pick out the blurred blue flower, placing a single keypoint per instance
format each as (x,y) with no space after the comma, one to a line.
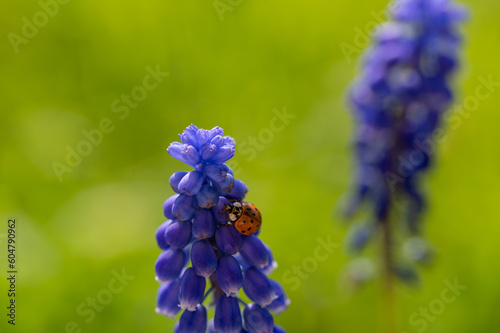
(398,100)
(198,229)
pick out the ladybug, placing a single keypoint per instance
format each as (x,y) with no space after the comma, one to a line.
(245,217)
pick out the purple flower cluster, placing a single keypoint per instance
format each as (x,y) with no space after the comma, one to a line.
(198,231)
(399,100)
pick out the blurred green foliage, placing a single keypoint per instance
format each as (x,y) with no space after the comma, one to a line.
(264,55)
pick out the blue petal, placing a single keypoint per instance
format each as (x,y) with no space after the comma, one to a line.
(272,264)
(203,258)
(185,207)
(220,215)
(222,155)
(217,140)
(229,275)
(160,235)
(227,317)
(193,321)
(167,207)
(175,150)
(257,319)
(203,224)
(228,239)
(191,183)
(215,132)
(216,172)
(178,234)
(258,287)
(207,151)
(224,187)
(229,141)
(191,155)
(244,265)
(203,137)
(175,179)
(189,136)
(207,197)
(254,252)
(167,302)
(169,265)
(281,303)
(267,270)
(184,153)
(192,290)
(239,190)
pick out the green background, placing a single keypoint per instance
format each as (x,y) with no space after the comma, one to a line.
(232,73)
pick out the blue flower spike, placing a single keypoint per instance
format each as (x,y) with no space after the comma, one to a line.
(399,100)
(210,226)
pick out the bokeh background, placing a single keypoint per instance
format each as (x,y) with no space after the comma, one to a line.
(262,56)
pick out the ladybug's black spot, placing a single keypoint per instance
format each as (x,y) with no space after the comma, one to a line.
(253,214)
(251,221)
(243,231)
(249,229)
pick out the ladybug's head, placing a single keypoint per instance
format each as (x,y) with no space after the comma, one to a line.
(234,210)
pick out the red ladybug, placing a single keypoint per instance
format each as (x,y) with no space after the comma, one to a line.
(245,217)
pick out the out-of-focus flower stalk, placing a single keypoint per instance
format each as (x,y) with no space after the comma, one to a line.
(399,99)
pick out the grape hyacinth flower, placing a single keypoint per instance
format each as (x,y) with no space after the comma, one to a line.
(202,230)
(399,99)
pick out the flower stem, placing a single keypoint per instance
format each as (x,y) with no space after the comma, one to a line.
(217,291)
(389,320)
(242,302)
(207,293)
